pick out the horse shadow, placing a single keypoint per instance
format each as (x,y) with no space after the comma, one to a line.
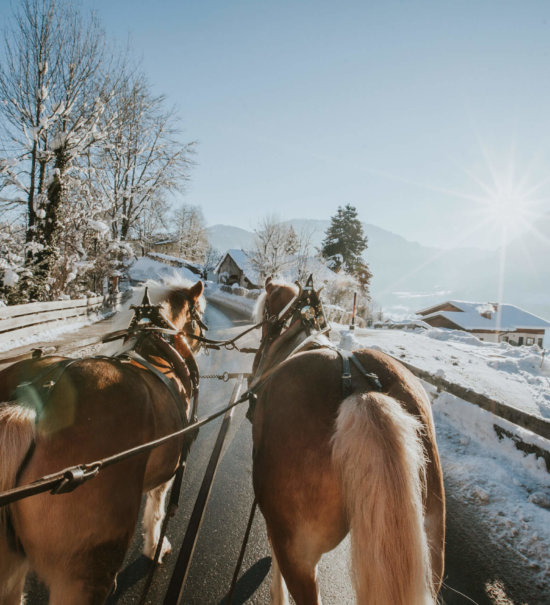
(249,582)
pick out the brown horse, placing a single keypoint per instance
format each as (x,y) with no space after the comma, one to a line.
(58,414)
(328,462)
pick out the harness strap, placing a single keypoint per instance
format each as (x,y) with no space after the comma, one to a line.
(348,358)
(132,355)
(347,388)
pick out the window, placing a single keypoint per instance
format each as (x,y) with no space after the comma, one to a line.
(540,342)
(530,341)
(520,340)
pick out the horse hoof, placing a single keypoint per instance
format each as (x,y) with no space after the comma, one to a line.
(165,550)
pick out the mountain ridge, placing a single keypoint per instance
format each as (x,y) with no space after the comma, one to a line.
(408,276)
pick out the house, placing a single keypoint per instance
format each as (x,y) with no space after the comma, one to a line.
(492,322)
(235,268)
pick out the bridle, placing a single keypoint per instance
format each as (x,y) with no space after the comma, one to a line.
(150,324)
(305,307)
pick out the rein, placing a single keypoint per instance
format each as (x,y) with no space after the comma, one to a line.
(228,344)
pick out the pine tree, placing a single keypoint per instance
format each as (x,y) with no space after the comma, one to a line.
(345,243)
(292,244)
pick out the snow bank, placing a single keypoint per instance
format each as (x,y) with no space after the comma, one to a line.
(145,268)
(239,304)
(509,490)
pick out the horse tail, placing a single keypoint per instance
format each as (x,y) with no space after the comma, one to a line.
(16,437)
(378,452)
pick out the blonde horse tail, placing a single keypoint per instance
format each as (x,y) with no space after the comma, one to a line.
(16,437)
(378,452)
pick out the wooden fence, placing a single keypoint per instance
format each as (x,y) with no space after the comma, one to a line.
(19,321)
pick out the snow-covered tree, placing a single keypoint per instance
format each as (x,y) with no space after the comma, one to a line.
(269,254)
(141,159)
(56,83)
(87,153)
(190,232)
(12,238)
(278,250)
(344,245)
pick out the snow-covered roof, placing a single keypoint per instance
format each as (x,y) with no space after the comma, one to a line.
(485,316)
(242,260)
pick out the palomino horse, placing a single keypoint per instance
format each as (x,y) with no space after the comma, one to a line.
(328,461)
(78,411)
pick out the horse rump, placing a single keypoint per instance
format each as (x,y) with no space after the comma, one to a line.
(378,453)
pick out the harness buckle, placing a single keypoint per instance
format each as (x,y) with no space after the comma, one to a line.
(75,477)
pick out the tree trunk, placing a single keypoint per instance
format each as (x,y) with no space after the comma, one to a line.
(48,231)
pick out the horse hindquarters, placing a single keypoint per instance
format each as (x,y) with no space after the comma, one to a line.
(379,455)
(16,437)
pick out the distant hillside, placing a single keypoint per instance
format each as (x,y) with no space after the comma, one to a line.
(408,276)
(224,237)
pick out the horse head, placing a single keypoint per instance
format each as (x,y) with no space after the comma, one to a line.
(276,297)
(184,307)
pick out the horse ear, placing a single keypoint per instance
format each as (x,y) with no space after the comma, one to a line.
(268,284)
(309,283)
(196,290)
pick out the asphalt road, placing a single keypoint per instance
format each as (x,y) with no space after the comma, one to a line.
(483,572)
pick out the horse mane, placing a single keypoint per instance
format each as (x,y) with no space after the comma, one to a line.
(158,293)
(259,307)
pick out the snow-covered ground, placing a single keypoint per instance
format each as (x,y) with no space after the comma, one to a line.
(508,490)
(145,268)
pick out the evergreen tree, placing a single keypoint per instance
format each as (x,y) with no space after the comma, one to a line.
(292,244)
(345,243)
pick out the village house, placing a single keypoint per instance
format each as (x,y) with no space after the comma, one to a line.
(235,268)
(492,322)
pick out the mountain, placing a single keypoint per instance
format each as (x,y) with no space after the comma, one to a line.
(224,237)
(408,276)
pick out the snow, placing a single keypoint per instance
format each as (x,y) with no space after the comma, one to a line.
(10,277)
(176,259)
(508,490)
(240,304)
(145,268)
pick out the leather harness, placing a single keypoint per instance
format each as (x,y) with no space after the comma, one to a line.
(306,308)
(40,388)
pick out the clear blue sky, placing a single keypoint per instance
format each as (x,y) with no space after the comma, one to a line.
(427,116)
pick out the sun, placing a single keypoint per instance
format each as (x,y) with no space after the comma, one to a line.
(508,200)
(506,208)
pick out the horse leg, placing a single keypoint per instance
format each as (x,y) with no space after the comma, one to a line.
(278,590)
(152,522)
(299,570)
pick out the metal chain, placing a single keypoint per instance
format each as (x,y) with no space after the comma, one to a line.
(226,376)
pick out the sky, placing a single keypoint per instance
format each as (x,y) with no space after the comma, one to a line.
(432,118)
